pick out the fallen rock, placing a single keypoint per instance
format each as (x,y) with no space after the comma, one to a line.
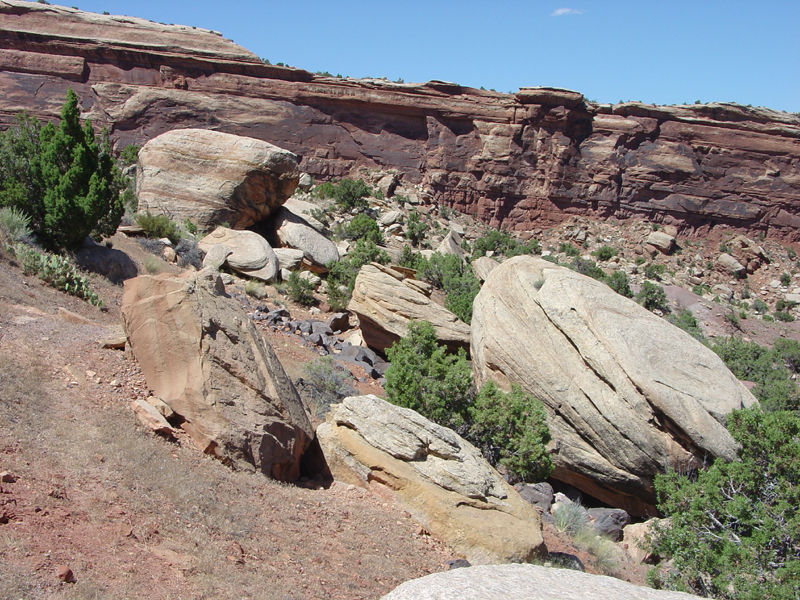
(212,177)
(483,266)
(216,256)
(251,255)
(65,574)
(451,244)
(437,476)
(150,417)
(524,582)
(289,258)
(384,304)
(391,218)
(305,211)
(538,494)
(201,355)
(634,538)
(627,393)
(661,241)
(731,265)
(294,231)
(609,522)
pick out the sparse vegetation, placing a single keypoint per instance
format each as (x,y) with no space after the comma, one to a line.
(326,382)
(686,321)
(342,274)
(501,242)
(605,253)
(348,194)
(652,297)
(618,281)
(158,227)
(15,225)
(57,271)
(364,227)
(453,276)
(415,228)
(300,290)
(568,249)
(255,288)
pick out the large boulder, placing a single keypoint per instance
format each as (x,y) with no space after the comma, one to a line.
(385,302)
(250,254)
(628,395)
(294,231)
(440,478)
(204,358)
(524,582)
(482,266)
(213,178)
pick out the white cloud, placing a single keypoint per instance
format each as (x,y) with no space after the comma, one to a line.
(560,12)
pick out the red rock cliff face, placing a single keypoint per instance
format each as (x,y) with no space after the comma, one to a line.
(521,161)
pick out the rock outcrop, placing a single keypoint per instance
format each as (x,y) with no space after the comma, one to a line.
(627,393)
(385,302)
(244,251)
(205,359)
(213,178)
(440,478)
(519,160)
(294,231)
(524,582)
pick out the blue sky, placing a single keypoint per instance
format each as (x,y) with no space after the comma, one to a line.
(663,52)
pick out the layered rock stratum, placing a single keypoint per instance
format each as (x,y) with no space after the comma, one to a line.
(520,160)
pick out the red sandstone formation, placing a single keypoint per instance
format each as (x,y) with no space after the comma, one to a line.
(521,160)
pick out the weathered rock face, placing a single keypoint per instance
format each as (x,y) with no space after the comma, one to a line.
(536,156)
(524,582)
(440,478)
(296,232)
(204,358)
(385,302)
(244,251)
(627,393)
(213,178)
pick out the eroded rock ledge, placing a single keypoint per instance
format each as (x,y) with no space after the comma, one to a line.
(520,160)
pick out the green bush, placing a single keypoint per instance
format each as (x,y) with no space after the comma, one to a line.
(158,226)
(453,276)
(511,430)
(57,271)
(686,321)
(652,297)
(415,229)
(364,227)
(61,177)
(15,224)
(500,242)
(568,249)
(760,306)
(734,529)
(654,271)
(129,155)
(605,253)
(343,273)
(347,194)
(589,268)
(424,377)
(786,279)
(326,382)
(618,281)
(782,315)
(300,290)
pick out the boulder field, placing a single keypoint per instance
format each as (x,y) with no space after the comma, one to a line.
(522,160)
(628,394)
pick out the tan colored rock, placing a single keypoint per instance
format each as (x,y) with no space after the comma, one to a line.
(201,355)
(250,254)
(634,537)
(74,318)
(451,244)
(211,177)
(216,255)
(295,232)
(662,241)
(304,210)
(289,258)
(151,417)
(483,266)
(627,393)
(524,582)
(385,304)
(731,265)
(437,476)
(161,406)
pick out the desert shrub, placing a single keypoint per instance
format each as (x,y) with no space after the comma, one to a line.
(347,194)
(686,321)
(654,271)
(424,377)
(500,242)
(605,253)
(15,224)
(786,279)
(734,529)
(158,226)
(618,281)
(782,315)
(453,276)
(511,430)
(570,517)
(343,273)
(415,229)
(364,227)
(300,290)
(652,297)
(61,177)
(770,369)
(407,257)
(700,289)
(256,289)
(760,306)
(326,382)
(588,267)
(129,155)
(568,249)
(189,253)
(153,265)
(57,271)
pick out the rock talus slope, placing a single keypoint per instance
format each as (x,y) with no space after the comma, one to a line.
(440,478)
(204,358)
(627,393)
(519,160)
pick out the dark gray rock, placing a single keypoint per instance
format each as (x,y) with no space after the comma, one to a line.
(609,522)
(339,321)
(538,494)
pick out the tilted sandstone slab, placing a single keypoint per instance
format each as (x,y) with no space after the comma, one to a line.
(440,478)
(628,395)
(203,357)
(524,582)
(385,303)
(213,178)
(294,231)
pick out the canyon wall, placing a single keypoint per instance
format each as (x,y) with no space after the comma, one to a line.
(521,161)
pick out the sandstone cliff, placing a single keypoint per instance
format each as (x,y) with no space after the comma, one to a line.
(520,160)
